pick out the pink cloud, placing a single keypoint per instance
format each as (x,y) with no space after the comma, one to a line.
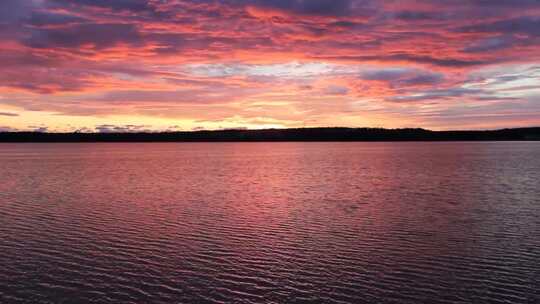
(133,57)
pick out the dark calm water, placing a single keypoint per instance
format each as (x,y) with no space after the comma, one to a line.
(270,223)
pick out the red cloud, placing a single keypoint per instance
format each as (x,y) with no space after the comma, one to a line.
(88,57)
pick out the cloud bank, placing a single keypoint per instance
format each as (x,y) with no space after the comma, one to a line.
(258,63)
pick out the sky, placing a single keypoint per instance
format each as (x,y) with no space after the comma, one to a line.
(168,65)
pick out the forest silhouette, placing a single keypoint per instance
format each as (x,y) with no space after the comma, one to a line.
(272,135)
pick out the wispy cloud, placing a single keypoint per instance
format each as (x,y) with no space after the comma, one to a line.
(8,114)
(237,63)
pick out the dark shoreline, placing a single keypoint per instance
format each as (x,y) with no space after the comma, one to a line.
(276,135)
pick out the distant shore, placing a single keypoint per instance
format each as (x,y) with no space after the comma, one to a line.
(274,135)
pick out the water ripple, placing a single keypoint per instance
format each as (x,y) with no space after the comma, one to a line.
(270,223)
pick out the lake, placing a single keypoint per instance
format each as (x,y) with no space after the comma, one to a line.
(449,222)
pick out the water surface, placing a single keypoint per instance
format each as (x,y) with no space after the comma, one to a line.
(270,223)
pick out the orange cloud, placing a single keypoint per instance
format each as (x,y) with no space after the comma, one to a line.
(436,64)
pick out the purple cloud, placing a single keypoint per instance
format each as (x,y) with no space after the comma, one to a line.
(8,114)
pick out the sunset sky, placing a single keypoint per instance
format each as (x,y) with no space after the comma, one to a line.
(127,65)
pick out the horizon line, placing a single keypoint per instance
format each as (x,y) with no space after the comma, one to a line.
(239,129)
